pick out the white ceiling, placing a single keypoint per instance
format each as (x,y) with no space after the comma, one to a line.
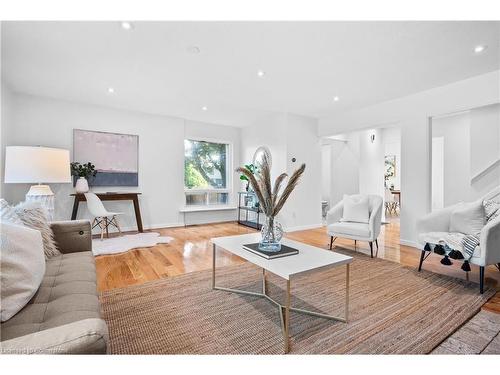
(306,64)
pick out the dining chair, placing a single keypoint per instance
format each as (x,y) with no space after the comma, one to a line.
(102,217)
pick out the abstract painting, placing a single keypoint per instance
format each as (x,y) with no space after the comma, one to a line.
(115,156)
(390,169)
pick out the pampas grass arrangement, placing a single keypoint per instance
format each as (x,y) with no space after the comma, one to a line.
(271,201)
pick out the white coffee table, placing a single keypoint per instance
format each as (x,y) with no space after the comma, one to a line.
(309,259)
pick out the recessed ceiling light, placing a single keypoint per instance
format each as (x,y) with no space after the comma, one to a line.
(336,98)
(127,25)
(111,90)
(193,49)
(261,73)
(204,108)
(480,48)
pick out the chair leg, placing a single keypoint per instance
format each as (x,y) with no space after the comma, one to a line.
(355,243)
(481,279)
(371,249)
(331,242)
(101,225)
(117,225)
(422,257)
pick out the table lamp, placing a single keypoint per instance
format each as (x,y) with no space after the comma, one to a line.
(35,164)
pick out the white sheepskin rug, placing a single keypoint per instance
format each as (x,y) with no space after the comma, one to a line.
(127,242)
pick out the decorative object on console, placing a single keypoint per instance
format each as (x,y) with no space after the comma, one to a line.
(82,172)
(115,156)
(35,164)
(251,168)
(270,202)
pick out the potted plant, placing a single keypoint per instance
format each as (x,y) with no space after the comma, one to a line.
(82,172)
(270,199)
(243,177)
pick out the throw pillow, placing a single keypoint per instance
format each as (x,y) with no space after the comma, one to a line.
(468,218)
(8,214)
(491,209)
(33,215)
(356,209)
(22,266)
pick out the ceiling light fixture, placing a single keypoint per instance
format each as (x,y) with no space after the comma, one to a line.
(111,90)
(261,73)
(480,48)
(127,25)
(204,108)
(336,98)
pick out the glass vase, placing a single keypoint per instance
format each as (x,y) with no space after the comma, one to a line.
(271,232)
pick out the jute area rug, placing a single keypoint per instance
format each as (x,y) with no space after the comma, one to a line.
(393,309)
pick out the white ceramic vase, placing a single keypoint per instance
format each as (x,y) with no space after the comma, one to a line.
(82,186)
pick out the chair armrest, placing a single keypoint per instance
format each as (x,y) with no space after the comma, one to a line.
(88,336)
(437,221)
(375,221)
(490,243)
(335,213)
(72,236)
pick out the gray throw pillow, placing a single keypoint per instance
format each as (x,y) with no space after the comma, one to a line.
(34,216)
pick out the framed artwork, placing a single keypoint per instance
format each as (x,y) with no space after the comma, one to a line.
(115,156)
(390,168)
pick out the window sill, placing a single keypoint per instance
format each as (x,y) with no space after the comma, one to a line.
(207,208)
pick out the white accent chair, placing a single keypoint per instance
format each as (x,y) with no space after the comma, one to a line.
(102,217)
(356,231)
(488,251)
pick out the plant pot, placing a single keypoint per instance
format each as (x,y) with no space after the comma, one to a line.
(82,186)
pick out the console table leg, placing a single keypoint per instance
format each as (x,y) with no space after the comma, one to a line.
(138,218)
(75,208)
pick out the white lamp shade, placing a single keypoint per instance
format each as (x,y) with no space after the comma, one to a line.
(26,164)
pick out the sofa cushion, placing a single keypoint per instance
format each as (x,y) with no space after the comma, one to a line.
(468,218)
(67,294)
(356,209)
(350,229)
(22,267)
(8,214)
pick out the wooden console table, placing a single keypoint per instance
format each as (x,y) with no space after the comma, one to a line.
(134,197)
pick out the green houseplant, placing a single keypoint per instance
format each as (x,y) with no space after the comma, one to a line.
(243,177)
(83,172)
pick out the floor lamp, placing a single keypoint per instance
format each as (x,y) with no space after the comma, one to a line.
(34,164)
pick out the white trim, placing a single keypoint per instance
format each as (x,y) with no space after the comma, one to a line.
(206,208)
(414,244)
(303,227)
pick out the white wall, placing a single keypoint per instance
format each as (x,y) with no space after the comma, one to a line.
(48,122)
(344,177)
(5,118)
(326,167)
(412,114)
(471,144)
(289,136)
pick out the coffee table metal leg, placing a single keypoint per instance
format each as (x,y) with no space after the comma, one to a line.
(213,266)
(287,318)
(263,281)
(347,292)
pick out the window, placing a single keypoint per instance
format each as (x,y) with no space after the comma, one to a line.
(206,177)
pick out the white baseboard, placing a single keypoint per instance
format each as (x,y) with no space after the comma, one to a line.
(410,243)
(146,227)
(303,227)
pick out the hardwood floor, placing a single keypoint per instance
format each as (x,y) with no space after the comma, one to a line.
(191,251)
